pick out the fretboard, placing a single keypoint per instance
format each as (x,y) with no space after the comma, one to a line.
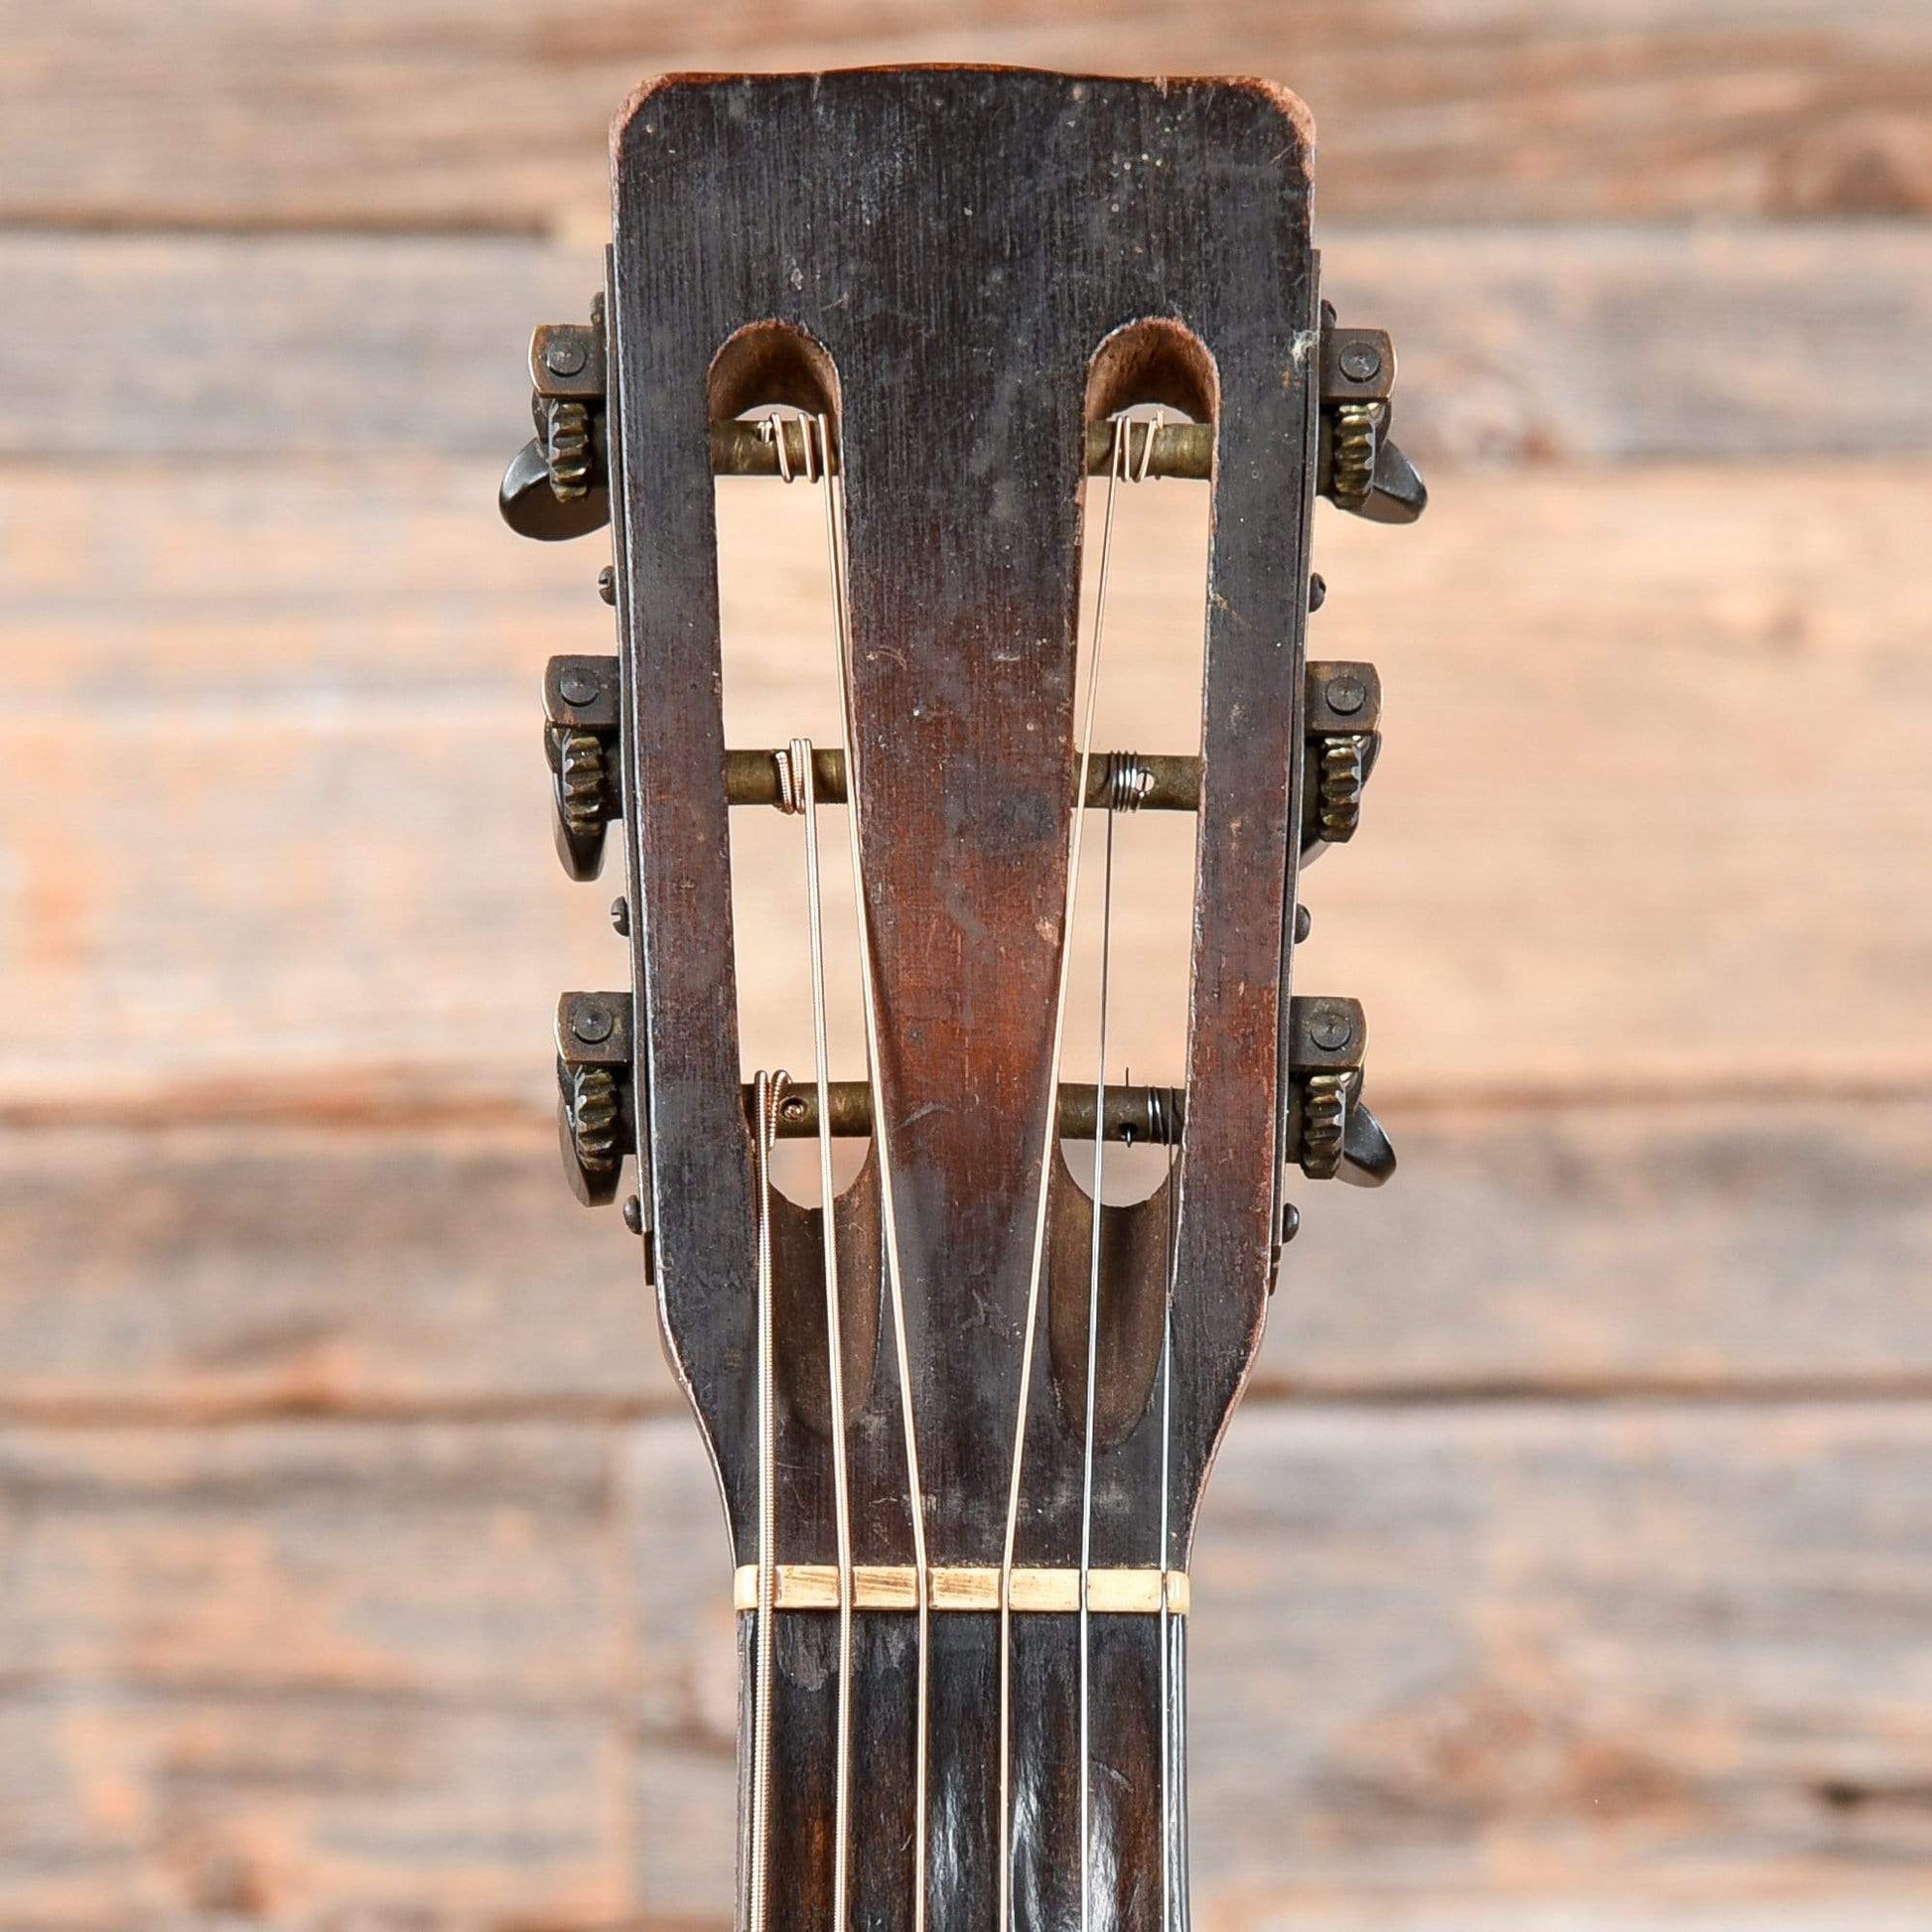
(1134,1841)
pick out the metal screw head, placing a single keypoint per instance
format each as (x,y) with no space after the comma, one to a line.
(579,687)
(592,1021)
(634,1214)
(1361,363)
(1317,591)
(564,355)
(607,584)
(1331,1027)
(621,918)
(1290,1222)
(1345,695)
(1303,924)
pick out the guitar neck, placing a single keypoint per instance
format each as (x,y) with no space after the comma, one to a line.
(1127,1707)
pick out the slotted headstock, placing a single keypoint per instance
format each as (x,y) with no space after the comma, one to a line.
(963,278)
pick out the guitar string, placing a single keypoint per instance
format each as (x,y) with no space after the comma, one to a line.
(1093,1357)
(882,1141)
(767,1094)
(804,779)
(1168,1820)
(1049,1138)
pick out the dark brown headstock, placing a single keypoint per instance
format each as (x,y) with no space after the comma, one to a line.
(968,274)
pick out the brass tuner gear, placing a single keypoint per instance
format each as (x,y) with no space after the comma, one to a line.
(567,448)
(1357,431)
(1324,1124)
(1345,771)
(580,783)
(594,1116)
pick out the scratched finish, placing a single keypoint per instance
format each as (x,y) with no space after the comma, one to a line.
(1107,242)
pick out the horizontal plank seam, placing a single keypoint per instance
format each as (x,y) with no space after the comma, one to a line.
(59,1687)
(1269,1391)
(319,225)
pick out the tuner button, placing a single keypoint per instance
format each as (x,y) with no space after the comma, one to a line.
(1367,1155)
(533,509)
(595,1110)
(580,742)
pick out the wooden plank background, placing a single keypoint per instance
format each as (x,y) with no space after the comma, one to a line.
(1570,1568)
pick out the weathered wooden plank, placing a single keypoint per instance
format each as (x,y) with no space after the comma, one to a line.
(1565,1669)
(202,1810)
(466,112)
(211,1272)
(1589,1250)
(1571,342)
(279,1673)
(1652,804)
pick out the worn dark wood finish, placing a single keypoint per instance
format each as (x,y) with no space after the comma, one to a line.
(1107,243)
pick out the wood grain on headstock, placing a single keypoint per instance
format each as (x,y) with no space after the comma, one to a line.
(965,268)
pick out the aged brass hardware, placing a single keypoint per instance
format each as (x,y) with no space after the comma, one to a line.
(580,741)
(596,1119)
(1343,712)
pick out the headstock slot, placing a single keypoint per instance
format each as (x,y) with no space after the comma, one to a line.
(781,679)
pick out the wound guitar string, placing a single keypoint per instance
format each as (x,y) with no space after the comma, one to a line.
(768,1092)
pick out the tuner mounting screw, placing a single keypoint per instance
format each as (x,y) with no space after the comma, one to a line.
(1361,363)
(1346,694)
(621,918)
(578,686)
(1331,1027)
(1290,1222)
(1317,591)
(633,1213)
(566,355)
(1303,924)
(607,584)
(591,1021)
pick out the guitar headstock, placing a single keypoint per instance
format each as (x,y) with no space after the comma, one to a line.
(947,300)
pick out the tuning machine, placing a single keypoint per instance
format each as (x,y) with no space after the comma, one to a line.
(1331,1135)
(558,485)
(1341,739)
(1359,465)
(581,736)
(597,1112)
